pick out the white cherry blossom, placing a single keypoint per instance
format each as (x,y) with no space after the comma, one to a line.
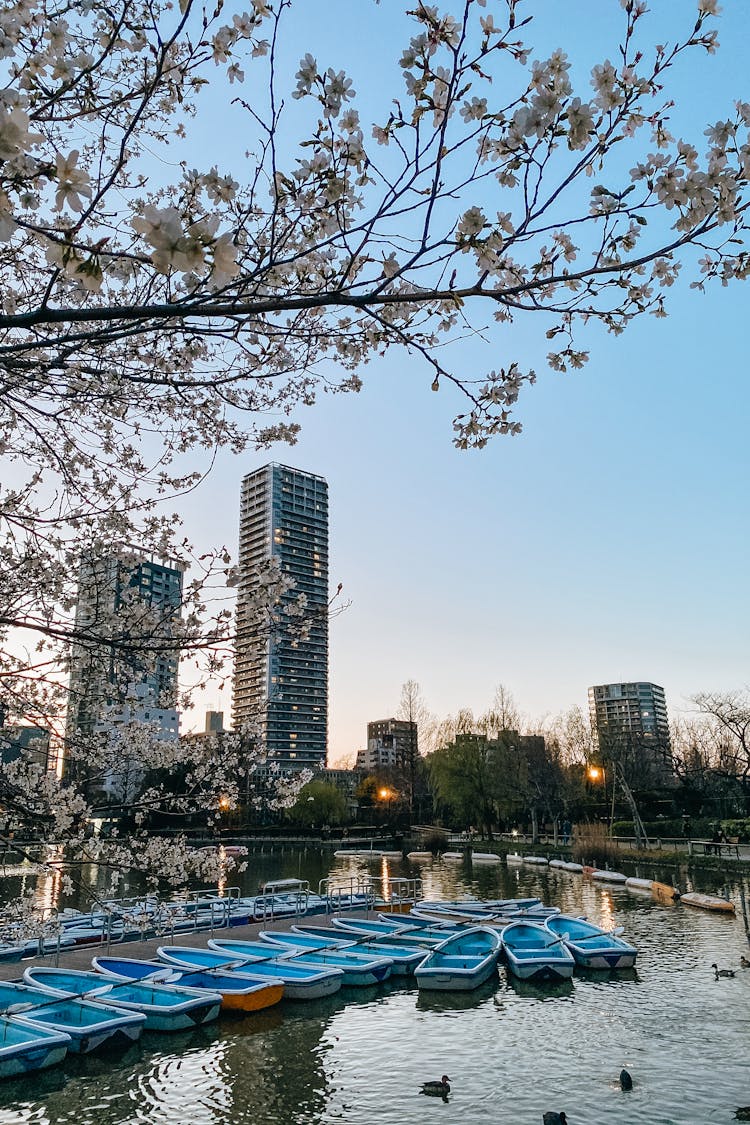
(169,296)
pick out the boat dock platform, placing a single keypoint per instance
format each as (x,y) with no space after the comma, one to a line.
(80,956)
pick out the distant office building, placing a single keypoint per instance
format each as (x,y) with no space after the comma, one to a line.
(347,782)
(214,722)
(391,744)
(31,742)
(632,724)
(281,685)
(121,671)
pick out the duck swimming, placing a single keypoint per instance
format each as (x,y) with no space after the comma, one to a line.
(552,1118)
(722,972)
(744,962)
(437,1089)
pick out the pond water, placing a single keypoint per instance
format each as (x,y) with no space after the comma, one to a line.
(511,1050)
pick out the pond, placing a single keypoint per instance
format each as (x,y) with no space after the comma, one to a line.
(512,1051)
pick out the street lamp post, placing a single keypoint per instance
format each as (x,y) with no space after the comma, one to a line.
(595,773)
(386,795)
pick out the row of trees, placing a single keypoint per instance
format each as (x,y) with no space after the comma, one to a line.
(499,770)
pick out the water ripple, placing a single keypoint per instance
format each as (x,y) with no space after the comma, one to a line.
(512,1049)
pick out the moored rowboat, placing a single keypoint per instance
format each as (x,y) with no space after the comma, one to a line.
(708,902)
(165,1008)
(462,962)
(238,993)
(608,876)
(591,946)
(360,968)
(405,957)
(664,892)
(533,953)
(25,1047)
(301,982)
(89,1026)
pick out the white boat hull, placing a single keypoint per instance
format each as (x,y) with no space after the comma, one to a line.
(541,969)
(439,981)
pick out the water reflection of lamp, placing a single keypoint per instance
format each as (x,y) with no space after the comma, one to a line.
(385,885)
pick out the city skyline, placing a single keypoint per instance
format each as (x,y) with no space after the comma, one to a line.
(605,543)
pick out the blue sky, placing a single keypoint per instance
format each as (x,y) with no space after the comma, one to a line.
(607,542)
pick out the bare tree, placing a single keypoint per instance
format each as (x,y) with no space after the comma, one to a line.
(413,710)
(728,714)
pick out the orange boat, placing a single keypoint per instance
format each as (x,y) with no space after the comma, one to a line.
(664,892)
(240,992)
(252,1000)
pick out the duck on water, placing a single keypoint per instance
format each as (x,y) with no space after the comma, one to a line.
(437,1089)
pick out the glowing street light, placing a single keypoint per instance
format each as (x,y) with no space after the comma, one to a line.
(596,774)
(387,796)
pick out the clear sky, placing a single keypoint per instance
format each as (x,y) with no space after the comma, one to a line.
(607,542)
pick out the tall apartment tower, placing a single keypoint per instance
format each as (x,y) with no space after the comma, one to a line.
(631,718)
(129,600)
(281,687)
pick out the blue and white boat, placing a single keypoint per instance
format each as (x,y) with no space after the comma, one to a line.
(532,952)
(239,993)
(165,1007)
(301,982)
(359,969)
(25,1047)
(481,914)
(493,905)
(423,935)
(88,1025)
(591,946)
(405,958)
(461,962)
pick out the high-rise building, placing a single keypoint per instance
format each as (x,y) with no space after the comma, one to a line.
(214,722)
(33,743)
(281,680)
(122,667)
(391,744)
(631,724)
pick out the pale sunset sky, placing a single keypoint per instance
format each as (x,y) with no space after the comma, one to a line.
(609,541)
